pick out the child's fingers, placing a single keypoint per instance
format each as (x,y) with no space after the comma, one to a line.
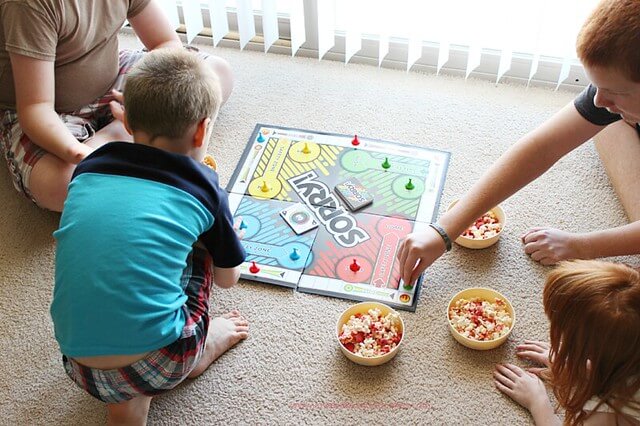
(548,261)
(502,379)
(538,342)
(118,95)
(502,388)
(533,347)
(402,252)
(408,267)
(515,369)
(540,358)
(117,110)
(237,222)
(507,372)
(530,235)
(536,370)
(527,354)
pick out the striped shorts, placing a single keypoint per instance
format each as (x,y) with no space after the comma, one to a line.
(164,368)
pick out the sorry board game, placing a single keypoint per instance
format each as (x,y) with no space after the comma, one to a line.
(325,213)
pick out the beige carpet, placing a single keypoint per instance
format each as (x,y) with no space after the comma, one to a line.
(290,370)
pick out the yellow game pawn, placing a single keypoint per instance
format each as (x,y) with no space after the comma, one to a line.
(264,187)
(306,149)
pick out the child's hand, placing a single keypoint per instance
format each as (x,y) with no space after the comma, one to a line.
(523,387)
(117,106)
(537,352)
(550,246)
(418,251)
(236,227)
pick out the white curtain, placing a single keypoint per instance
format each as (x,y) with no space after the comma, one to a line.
(544,30)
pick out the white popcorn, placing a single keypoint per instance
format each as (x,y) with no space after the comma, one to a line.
(480,319)
(371,334)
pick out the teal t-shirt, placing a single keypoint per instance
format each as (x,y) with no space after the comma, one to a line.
(130,220)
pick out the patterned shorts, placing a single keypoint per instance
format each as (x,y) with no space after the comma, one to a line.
(162,369)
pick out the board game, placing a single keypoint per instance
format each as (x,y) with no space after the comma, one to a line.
(325,213)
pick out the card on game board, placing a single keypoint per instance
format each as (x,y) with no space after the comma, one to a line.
(299,218)
(354,194)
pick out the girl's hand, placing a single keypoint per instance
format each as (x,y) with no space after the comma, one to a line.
(523,387)
(537,352)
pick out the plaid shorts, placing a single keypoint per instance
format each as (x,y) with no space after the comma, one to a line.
(162,369)
(21,154)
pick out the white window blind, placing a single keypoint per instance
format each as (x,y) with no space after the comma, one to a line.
(542,31)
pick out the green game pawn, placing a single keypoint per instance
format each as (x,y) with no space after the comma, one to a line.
(386,163)
(409,186)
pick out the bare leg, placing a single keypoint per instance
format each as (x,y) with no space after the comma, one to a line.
(223,70)
(130,413)
(50,176)
(619,148)
(224,332)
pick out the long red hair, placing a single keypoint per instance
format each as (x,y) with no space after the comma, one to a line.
(594,313)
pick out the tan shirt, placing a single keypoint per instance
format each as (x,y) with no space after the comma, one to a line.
(80,36)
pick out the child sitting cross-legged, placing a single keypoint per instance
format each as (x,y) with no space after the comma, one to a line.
(593,360)
(144,232)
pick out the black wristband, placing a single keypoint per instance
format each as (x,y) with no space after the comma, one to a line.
(440,230)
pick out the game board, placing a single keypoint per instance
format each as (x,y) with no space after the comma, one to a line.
(284,168)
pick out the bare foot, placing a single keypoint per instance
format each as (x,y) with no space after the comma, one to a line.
(224,332)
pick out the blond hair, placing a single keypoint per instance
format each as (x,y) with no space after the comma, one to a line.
(168,91)
(594,313)
(610,37)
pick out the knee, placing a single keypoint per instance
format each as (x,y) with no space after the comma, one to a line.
(225,74)
(50,191)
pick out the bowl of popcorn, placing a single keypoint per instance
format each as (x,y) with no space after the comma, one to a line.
(480,318)
(370,333)
(485,230)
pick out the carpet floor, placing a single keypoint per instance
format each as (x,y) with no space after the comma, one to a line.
(290,370)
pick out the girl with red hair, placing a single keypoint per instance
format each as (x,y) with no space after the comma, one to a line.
(592,362)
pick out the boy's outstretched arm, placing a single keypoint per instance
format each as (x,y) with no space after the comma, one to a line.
(529,158)
(153,28)
(34,81)
(549,246)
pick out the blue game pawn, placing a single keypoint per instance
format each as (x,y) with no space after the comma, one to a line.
(243,225)
(260,138)
(294,254)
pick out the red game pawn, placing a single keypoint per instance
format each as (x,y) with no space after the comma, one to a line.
(354,266)
(355,141)
(254,268)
